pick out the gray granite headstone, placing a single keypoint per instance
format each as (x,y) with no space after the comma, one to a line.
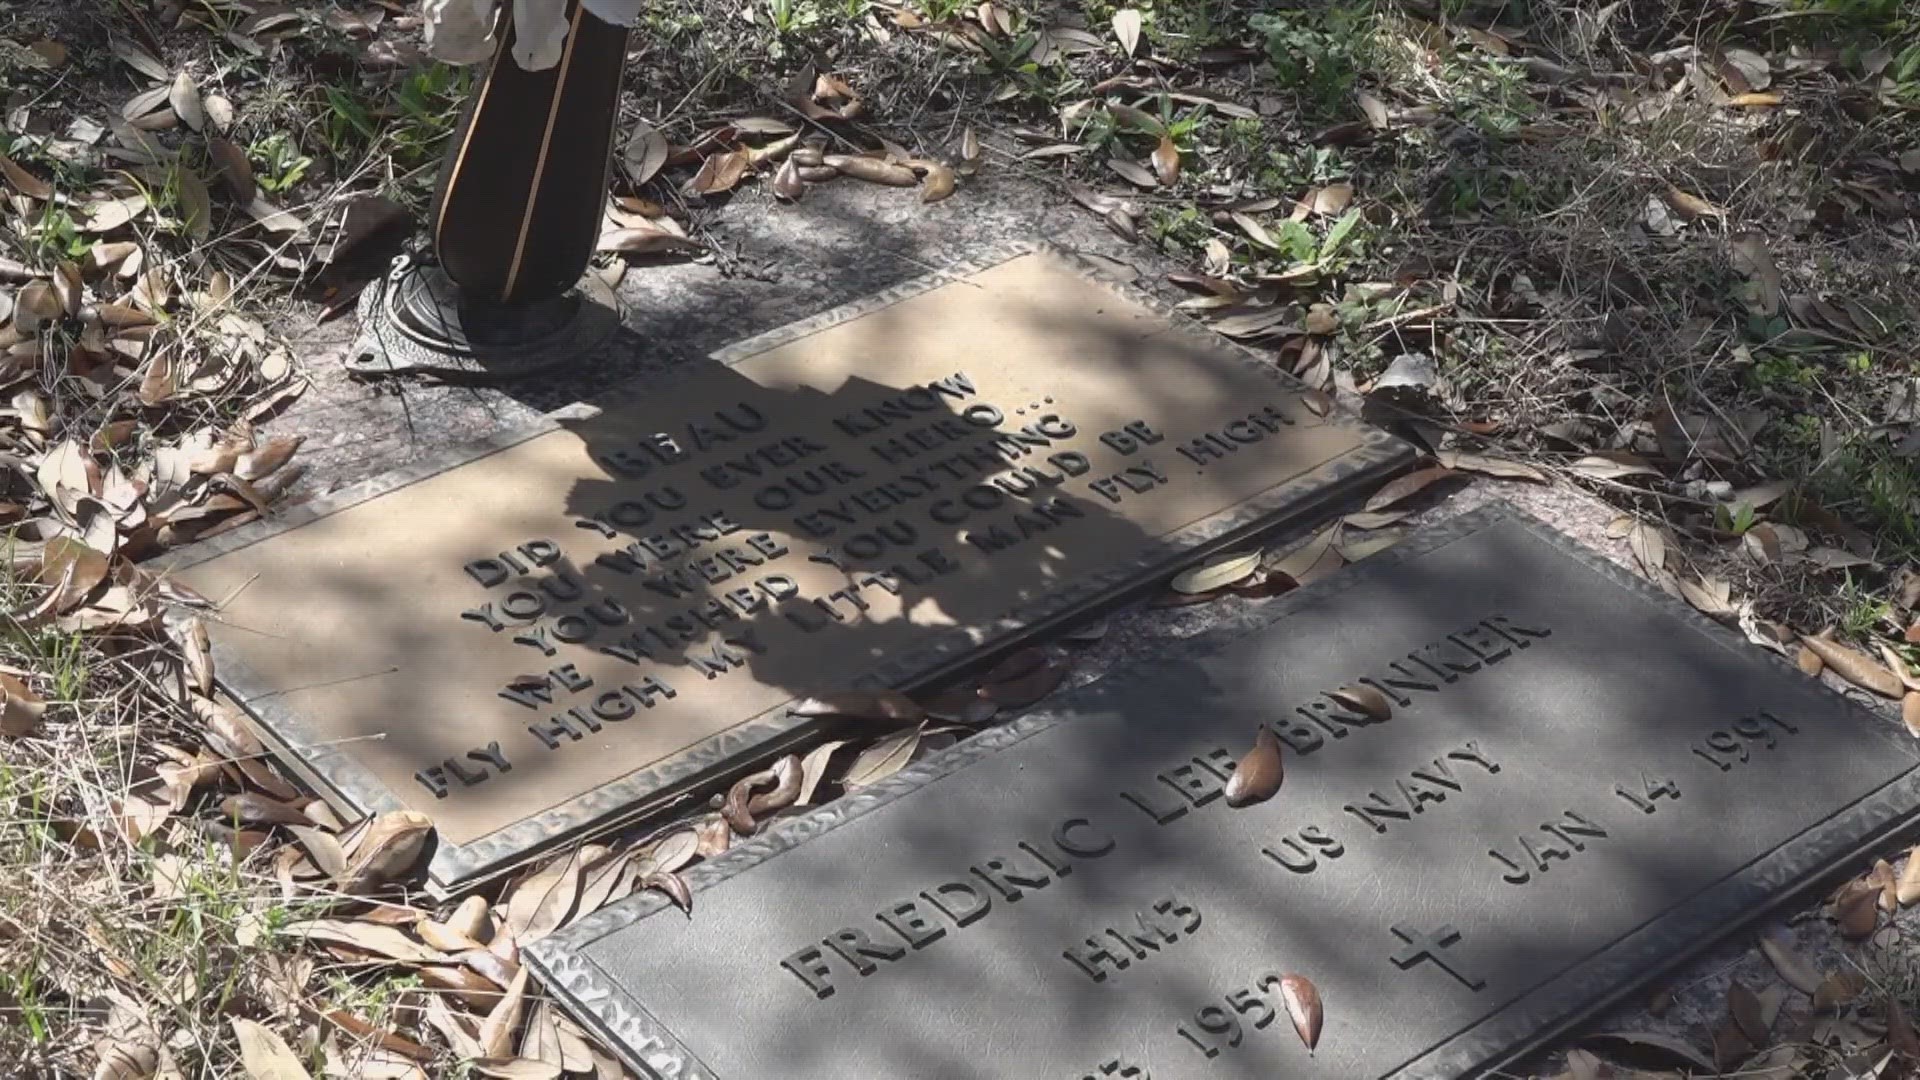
(1582,784)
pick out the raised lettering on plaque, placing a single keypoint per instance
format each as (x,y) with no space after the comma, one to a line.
(587,622)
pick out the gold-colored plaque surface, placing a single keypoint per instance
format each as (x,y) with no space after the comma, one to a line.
(565,630)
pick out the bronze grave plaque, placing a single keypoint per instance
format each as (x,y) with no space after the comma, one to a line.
(572,627)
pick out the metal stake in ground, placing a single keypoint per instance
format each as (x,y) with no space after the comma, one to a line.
(515,216)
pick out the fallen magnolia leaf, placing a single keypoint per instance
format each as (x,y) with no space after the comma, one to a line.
(940,180)
(542,902)
(787,183)
(1809,663)
(1602,467)
(1126,28)
(719,174)
(1793,968)
(674,886)
(883,758)
(888,705)
(265,1055)
(1908,888)
(1664,1050)
(1258,774)
(386,850)
(1302,1000)
(1649,546)
(1312,560)
(23,181)
(813,768)
(1217,573)
(1020,692)
(646,152)
(1747,1012)
(1858,911)
(1900,1034)
(1489,465)
(1838,990)
(1364,699)
(361,936)
(872,170)
(1856,667)
(20,708)
(1753,261)
(1166,162)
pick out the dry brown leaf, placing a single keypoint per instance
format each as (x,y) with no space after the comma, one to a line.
(496,1032)
(1374,109)
(1312,560)
(542,903)
(1858,910)
(1333,199)
(516,1069)
(1754,261)
(73,568)
(813,768)
(1856,667)
(253,808)
(386,850)
(20,708)
(265,1054)
(1018,693)
(1126,28)
(1302,1000)
(1649,546)
(873,170)
(1690,206)
(1747,1012)
(1838,990)
(719,174)
(883,758)
(1809,663)
(884,705)
(23,181)
(232,167)
(1257,775)
(367,937)
(646,152)
(1793,968)
(1614,467)
(1217,572)
(267,457)
(1900,1035)
(1489,465)
(787,183)
(1365,699)
(106,215)
(674,886)
(940,180)
(1166,162)
(184,96)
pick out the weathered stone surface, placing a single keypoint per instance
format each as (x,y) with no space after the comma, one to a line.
(1581,785)
(602,614)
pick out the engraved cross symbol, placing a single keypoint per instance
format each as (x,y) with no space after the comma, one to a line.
(1433,947)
